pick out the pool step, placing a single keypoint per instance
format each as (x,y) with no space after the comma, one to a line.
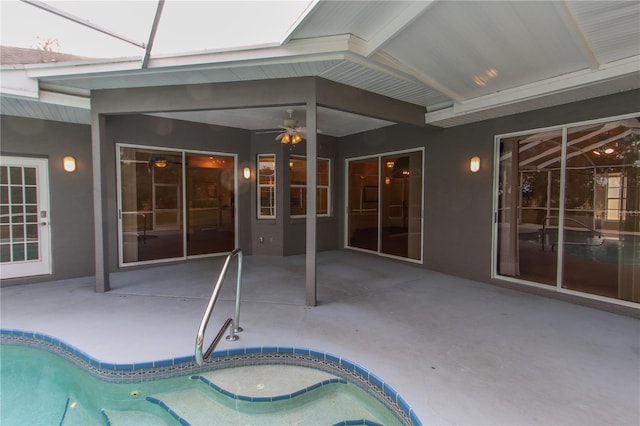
(265,381)
(326,405)
(132,418)
(265,394)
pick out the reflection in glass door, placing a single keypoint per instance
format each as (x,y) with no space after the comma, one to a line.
(528,206)
(401,205)
(155,184)
(210,218)
(385,204)
(363,204)
(568,212)
(601,244)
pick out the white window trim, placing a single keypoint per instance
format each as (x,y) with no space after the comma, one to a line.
(259,187)
(328,188)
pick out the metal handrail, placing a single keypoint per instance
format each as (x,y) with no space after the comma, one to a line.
(593,230)
(235,323)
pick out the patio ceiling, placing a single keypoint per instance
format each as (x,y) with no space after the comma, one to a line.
(463,61)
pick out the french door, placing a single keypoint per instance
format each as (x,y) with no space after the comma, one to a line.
(25,235)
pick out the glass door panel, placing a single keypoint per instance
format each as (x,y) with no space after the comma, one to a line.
(151,204)
(528,206)
(210,199)
(601,253)
(363,204)
(401,205)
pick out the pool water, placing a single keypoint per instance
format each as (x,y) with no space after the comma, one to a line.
(42,388)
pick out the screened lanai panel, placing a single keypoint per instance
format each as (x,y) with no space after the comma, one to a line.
(125,27)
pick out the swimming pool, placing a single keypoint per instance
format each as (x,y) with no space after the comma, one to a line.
(46,381)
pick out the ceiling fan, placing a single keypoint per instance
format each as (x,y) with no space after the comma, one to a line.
(290,132)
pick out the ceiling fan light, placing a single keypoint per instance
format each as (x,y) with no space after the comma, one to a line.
(286,138)
(296,138)
(160,163)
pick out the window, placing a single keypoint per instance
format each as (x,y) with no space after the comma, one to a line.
(298,187)
(266,186)
(615,196)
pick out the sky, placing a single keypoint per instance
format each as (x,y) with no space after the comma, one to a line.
(185,26)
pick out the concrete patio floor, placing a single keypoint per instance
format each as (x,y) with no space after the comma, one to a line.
(458,351)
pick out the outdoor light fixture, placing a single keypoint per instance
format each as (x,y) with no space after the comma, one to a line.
(474,164)
(69,164)
(246,172)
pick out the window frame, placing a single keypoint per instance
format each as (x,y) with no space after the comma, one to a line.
(558,286)
(326,187)
(260,186)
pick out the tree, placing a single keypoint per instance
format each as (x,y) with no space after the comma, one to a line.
(48,44)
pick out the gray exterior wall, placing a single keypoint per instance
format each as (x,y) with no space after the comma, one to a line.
(284,236)
(71,193)
(458,204)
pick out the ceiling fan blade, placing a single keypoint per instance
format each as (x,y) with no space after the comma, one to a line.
(302,131)
(268,131)
(280,136)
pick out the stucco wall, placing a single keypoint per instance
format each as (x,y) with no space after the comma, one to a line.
(71,215)
(458,204)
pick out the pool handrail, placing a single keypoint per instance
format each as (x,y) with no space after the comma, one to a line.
(235,323)
(597,233)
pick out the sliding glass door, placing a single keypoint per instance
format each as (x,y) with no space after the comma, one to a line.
(384,204)
(568,211)
(174,204)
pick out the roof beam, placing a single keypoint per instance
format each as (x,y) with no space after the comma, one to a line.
(89,24)
(576,32)
(397,24)
(389,61)
(152,34)
(540,89)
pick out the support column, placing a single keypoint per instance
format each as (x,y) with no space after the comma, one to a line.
(312,167)
(99,205)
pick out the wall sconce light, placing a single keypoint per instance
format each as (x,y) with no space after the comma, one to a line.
(474,164)
(246,172)
(69,164)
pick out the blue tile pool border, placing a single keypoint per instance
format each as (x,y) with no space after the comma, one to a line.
(239,357)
